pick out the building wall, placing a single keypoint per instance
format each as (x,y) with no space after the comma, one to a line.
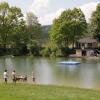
(86,45)
(88,52)
(94,45)
(79,52)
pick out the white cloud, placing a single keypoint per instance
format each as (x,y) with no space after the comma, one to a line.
(59,11)
(39,7)
(3,0)
(48,18)
(88,9)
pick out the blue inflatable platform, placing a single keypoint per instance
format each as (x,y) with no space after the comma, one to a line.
(69,62)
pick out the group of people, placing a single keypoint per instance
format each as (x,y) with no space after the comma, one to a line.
(15,77)
(5,76)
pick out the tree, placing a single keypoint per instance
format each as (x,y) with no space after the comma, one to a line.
(17,25)
(12,27)
(17,33)
(4,24)
(19,36)
(95,23)
(34,30)
(69,27)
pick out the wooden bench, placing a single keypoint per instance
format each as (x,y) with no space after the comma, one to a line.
(21,78)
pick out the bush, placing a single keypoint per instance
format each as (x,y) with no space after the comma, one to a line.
(46,52)
(67,51)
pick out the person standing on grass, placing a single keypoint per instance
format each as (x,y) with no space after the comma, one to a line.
(33,78)
(5,76)
(14,76)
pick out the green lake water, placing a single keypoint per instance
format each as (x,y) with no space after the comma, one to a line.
(49,71)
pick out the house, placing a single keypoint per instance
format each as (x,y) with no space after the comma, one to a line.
(86,46)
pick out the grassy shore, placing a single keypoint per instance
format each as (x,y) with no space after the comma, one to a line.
(42,92)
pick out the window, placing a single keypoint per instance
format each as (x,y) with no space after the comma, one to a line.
(89,45)
(82,44)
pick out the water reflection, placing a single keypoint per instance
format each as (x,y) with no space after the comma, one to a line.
(44,71)
(48,71)
(87,76)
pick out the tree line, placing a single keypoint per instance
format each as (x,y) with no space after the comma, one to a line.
(18,36)
(69,27)
(26,36)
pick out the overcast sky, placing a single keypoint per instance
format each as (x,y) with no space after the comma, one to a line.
(47,10)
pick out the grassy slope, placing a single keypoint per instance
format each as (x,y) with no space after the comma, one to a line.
(41,92)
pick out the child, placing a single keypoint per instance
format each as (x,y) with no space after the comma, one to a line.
(5,76)
(33,77)
(14,76)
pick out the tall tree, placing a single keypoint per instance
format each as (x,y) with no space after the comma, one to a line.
(11,22)
(17,25)
(95,23)
(12,26)
(4,24)
(69,27)
(34,30)
(19,36)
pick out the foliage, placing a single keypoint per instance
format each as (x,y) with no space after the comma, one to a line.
(4,23)
(49,49)
(95,22)
(46,52)
(17,35)
(34,31)
(12,26)
(67,51)
(45,34)
(69,27)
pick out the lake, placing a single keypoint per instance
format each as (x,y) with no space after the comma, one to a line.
(49,71)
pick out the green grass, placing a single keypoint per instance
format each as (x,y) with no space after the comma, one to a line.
(42,92)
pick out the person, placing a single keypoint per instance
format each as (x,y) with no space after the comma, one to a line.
(5,76)
(14,76)
(33,77)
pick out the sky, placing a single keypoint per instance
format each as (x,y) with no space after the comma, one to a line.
(47,10)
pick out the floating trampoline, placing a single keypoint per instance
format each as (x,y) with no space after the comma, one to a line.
(69,62)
